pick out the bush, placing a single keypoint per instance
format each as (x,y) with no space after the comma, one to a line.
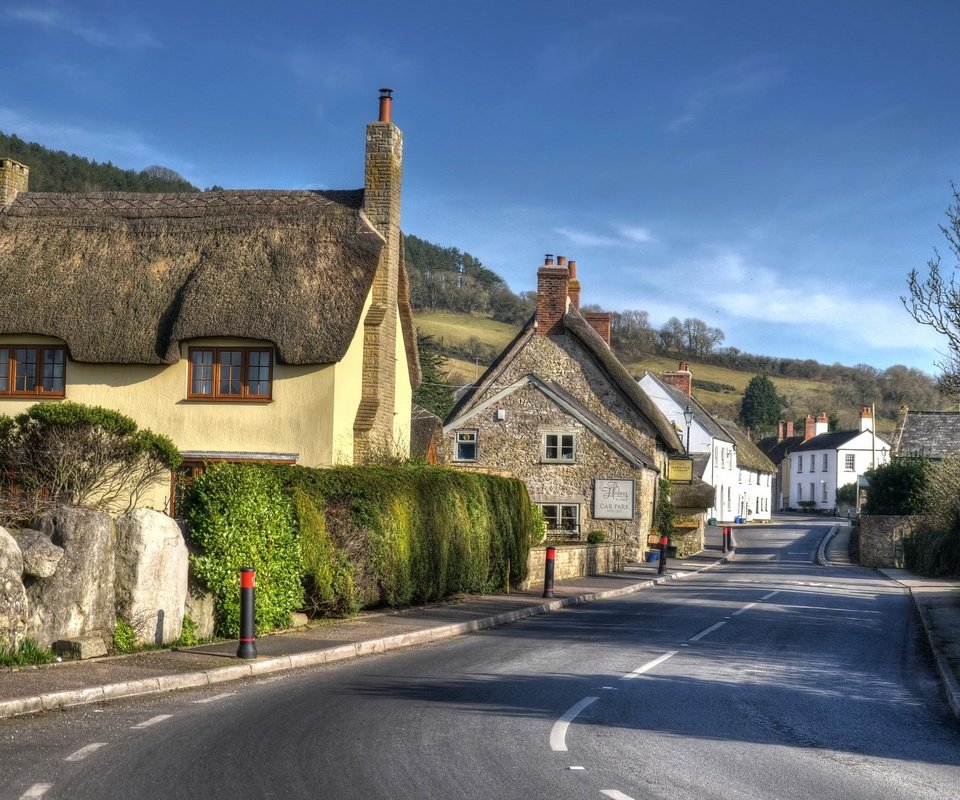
(240,517)
(56,453)
(664,516)
(934,547)
(188,633)
(847,495)
(898,488)
(29,652)
(596,537)
(124,637)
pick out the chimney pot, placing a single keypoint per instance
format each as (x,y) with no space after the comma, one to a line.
(573,269)
(561,261)
(548,260)
(386,101)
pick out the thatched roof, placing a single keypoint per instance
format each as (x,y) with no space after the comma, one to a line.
(749,456)
(124,278)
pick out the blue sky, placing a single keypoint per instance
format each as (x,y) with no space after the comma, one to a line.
(773,168)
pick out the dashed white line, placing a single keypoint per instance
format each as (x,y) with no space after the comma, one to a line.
(649,666)
(37,790)
(558,735)
(771,594)
(708,631)
(152,721)
(83,752)
(615,795)
(215,697)
(747,607)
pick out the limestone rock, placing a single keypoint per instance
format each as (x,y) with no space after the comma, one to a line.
(13,596)
(200,607)
(151,575)
(78,599)
(84,647)
(40,555)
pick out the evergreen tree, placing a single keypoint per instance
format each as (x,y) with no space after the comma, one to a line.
(435,392)
(761,406)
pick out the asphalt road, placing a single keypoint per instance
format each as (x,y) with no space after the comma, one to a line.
(767,678)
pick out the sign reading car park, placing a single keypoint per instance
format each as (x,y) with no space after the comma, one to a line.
(613,499)
(680,470)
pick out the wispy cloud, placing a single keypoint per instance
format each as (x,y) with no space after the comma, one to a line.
(636,234)
(739,80)
(587,239)
(627,235)
(118,38)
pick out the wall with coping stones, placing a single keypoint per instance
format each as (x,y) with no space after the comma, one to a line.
(574,561)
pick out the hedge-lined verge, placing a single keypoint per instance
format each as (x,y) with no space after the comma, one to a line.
(333,540)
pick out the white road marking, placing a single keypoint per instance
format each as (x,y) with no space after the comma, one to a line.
(747,607)
(583,768)
(708,631)
(215,697)
(558,735)
(37,790)
(649,666)
(615,795)
(83,752)
(768,596)
(152,721)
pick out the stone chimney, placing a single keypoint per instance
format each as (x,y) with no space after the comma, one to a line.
(682,378)
(14,178)
(573,287)
(809,428)
(374,424)
(822,425)
(866,419)
(552,287)
(601,322)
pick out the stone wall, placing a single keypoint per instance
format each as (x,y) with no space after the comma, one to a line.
(881,539)
(574,561)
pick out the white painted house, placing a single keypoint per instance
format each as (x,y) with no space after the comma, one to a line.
(742,490)
(827,461)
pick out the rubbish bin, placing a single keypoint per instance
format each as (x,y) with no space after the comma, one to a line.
(653,555)
(712,521)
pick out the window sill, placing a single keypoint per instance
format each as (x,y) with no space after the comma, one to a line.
(233,401)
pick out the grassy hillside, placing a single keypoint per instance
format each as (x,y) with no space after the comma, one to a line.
(471,344)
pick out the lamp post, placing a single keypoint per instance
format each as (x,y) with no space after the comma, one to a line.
(688,418)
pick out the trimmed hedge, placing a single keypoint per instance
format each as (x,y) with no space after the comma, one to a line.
(333,540)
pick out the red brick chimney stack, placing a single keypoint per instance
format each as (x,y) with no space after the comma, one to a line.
(552,286)
(682,378)
(573,288)
(601,322)
(789,428)
(809,427)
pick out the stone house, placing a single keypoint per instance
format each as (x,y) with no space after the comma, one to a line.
(245,325)
(558,410)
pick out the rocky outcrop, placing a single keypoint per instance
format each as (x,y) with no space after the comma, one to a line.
(13,596)
(40,555)
(151,575)
(77,600)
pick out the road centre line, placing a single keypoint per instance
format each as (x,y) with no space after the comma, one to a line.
(613,794)
(747,607)
(83,752)
(37,790)
(768,596)
(708,631)
(152,721)
(649,666)
(215,697)
(558,735)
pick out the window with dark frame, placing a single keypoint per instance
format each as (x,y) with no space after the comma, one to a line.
(32,370)
(561,517)
(230,373)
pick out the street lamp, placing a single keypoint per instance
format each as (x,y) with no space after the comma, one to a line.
(688,418)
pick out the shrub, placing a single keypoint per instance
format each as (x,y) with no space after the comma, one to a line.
(934,547)
(899,487)
(240,517)
(27,653)
(82,455)
(596,537)
(664,516)
(847,495)
(188,633)
(124,637)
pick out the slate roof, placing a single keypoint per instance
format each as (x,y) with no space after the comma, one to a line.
(775,450)
(832,440)
(927,434)
(124,277)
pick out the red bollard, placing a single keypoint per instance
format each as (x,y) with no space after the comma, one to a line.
(726,539)
(548,572)
(663,556)
(248,641)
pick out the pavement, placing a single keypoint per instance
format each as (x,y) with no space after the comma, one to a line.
(31,690)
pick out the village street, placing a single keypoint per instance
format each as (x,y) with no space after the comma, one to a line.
(768,677)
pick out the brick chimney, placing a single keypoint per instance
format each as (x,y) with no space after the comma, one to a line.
(866,419)
(601,322)
(14,178)
(682,378)
(552,287)
(374,424)
(822,425)
(573,287)
(809,427)
(789,428)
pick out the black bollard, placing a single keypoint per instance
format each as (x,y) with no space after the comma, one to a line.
(725,535)
(663,556)
(548,571)
(248,642)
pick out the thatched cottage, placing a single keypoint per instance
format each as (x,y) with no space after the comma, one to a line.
(558,410)
(245,325)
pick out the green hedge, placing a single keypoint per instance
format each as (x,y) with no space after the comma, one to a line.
(332,540)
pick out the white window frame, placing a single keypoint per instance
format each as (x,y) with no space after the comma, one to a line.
(467,438)
(826,463)
(799,463)
(850,462)
(562,512)
(560,445)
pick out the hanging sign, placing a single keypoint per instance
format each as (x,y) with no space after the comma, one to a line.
(613,499)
